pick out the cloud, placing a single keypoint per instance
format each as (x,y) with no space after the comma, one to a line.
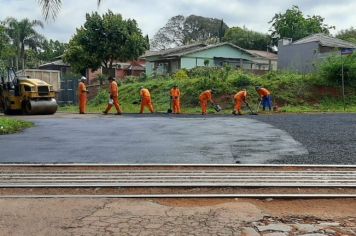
(152,15)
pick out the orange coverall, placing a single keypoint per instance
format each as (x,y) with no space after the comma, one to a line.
(263,92)
(239,98)
(114,95)
(146,100)
(266,98)
(82,92)
(175,94)
(204,98)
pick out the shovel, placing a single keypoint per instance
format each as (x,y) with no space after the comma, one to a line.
(170,107)
(258,107)
(251,112)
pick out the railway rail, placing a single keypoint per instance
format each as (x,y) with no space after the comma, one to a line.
(189,180)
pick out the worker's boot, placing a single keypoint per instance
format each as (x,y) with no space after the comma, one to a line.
(119,113)
(105,112)
(234,112)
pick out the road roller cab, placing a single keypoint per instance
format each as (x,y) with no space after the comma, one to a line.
(26,95)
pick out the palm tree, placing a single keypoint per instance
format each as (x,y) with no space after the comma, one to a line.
(50,8)
(23,34)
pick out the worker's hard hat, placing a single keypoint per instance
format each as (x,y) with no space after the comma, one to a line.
(174,85)
(111,78)
(214,90)
(83,78)
(258,87)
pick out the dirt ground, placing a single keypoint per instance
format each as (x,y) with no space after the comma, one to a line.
(87,216)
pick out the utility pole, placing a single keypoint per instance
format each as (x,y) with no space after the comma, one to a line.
(342,82)
(344,51)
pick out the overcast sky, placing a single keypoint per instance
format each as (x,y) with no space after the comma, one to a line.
(153,14)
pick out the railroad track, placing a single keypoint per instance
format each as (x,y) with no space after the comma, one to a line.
(108,180)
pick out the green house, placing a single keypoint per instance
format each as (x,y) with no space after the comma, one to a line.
(190,56)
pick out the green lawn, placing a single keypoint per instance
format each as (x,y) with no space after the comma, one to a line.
(9,126)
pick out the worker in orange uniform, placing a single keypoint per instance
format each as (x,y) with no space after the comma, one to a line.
(82,93)
(175,98)
(146,100)
(114,97)
(204,98)
(265,96)
(240,97)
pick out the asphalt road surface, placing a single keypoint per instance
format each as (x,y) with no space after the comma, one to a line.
(292,139)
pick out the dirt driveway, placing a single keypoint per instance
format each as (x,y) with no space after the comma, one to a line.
(177,217)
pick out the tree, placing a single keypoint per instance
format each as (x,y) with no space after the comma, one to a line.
(292,24)
(4,40)
(200,29)
(50,8)
(171,35)
(348,35)
(247,39)
(50,49)
(6,51)
(103,40)
(23,34)
(180,31)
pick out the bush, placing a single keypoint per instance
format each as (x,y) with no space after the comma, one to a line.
(209,72)
(243,80)
(101,78)
(227,69)
(101,98)
(206,62)
(181,75)
(331,69)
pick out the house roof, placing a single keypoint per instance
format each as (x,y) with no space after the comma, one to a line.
(55,63)
(134,65)
(193,48)
(264,54)
(175,50)
(325,40)
(210,47)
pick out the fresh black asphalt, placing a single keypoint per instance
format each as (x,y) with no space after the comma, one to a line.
(277,138)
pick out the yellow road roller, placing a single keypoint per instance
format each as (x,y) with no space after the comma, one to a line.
(29,96)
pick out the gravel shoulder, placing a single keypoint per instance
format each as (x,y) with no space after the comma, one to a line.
(329,138)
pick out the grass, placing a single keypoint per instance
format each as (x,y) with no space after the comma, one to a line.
(197,110)
(130,108)
(292,92)
(9,126)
